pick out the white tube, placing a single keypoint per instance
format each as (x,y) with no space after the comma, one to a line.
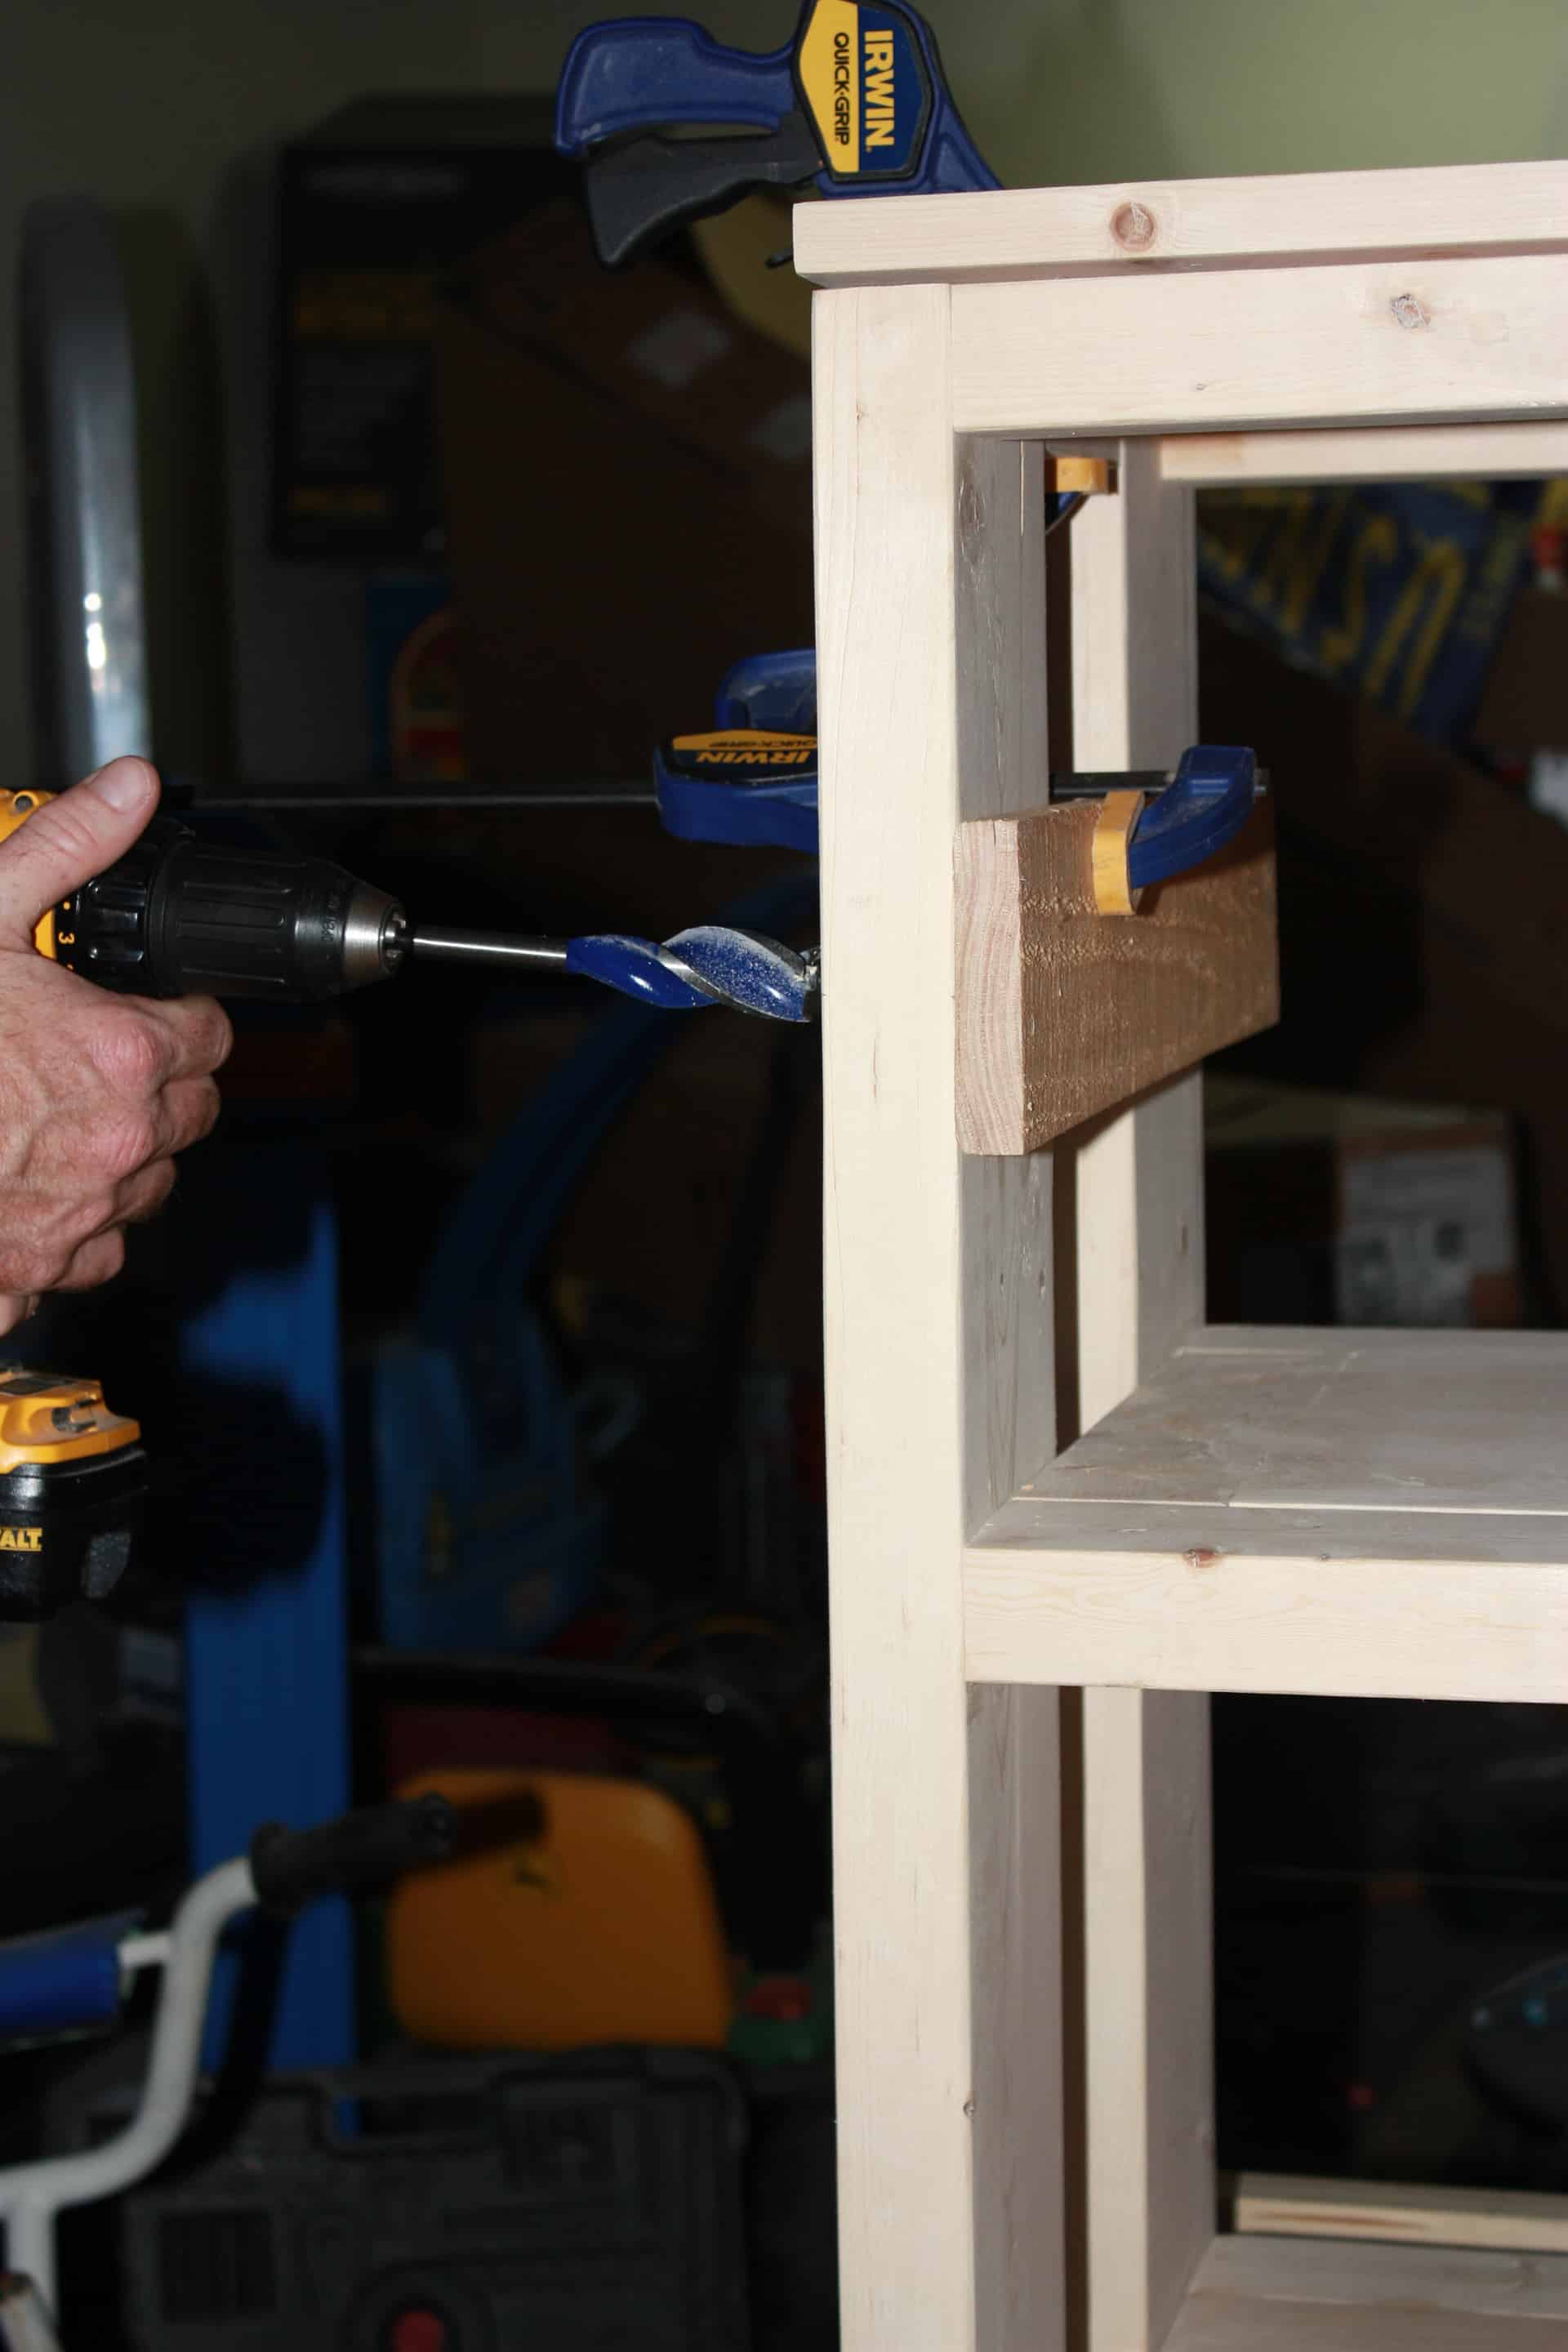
(144,1952)
(32,2194)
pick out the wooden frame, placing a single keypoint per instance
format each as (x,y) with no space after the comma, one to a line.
(1347,327)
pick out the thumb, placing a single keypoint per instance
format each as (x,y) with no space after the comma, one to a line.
(69,840)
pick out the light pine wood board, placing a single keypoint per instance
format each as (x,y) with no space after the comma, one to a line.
(1064,1011)
(1363,1513)
(1274,1418)
(1346,1604)
(1142,226)
(1148,2052)
(1501,2221)
(1352,344)
(1008,1400)
(938,1365)
(1259,2295)
(1385,453)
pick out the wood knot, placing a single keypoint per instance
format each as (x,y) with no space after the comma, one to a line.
(1408,311)
(1132,226)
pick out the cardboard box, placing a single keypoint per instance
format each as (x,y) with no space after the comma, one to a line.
(374,205)
(1349,1209)
(1420,904)
(1421,926)
(1525,706)
(627,476)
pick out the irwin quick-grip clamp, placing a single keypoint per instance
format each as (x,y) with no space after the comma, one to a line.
(855,101)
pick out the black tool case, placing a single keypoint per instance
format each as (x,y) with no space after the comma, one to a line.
(560,2204)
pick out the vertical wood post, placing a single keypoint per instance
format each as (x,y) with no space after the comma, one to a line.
(1148,1925)
(931,687)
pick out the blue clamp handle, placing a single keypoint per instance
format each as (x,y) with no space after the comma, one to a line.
(770,690)
(1204,805)
(707,797)
(882,120)
(774,805)
(748,811)
(645,73)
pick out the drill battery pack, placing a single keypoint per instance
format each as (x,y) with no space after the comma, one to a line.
(561,2203)
(73,1477)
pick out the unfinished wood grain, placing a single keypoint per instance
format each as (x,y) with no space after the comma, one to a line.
(1148,2052)
(1138,228)
(1352,344)
(1147,1973)
(1006,1389)
(1375,2211)
(1374,1514)
(1343,305)
(1006,1216)
(1258,2295)
(938,1368)
(1341,1604)
(1015,1974)
(1064,1011)
(1386,1422)
(1387,453)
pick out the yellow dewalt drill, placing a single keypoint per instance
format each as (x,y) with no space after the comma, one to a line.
(174,917)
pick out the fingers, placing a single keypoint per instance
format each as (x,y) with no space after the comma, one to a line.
(97,1261)
(190,1110)
(140,1047)
(99,1256)
(200,1038)
(70,839)
(143,1195)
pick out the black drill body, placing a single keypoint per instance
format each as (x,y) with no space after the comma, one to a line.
(179,917)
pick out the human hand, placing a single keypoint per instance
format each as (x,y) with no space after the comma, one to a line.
(98,1092)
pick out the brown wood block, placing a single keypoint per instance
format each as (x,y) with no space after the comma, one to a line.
(1063,1011)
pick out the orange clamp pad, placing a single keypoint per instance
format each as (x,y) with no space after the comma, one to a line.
(1118,813)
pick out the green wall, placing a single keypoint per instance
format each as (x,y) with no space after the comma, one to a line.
(1108,90)
(151,107)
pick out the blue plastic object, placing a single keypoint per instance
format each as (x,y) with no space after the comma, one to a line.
(1204,805)
(739,968)
(267,1662)
(868,80)
(633,966)
(64,1980)
(751,811)
(489,1534)
(774,805)
(487,1537)
(770,690)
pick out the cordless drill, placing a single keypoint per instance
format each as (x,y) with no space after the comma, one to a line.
(173,916)
(177,916)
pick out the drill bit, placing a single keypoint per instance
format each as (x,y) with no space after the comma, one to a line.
(712,963)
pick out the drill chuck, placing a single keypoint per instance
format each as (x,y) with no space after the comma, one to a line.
(179,917)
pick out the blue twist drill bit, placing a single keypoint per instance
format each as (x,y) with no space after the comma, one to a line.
(712,963)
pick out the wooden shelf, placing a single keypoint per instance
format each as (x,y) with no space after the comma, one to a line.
(1281,2294)
(1319,1512)
(1372,1514)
